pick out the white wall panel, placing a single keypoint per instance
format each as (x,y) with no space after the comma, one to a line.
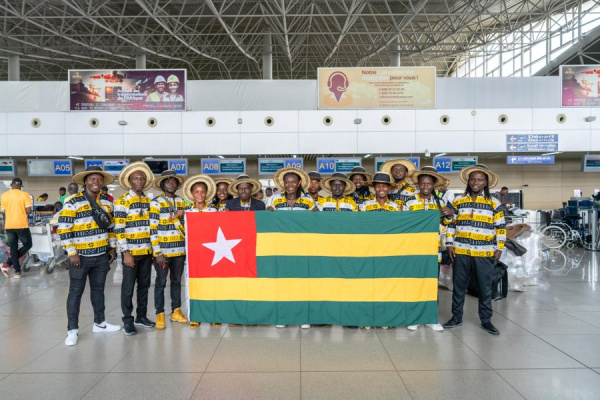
(519,120)
(270,143)
(545,119)
(283,121)
(490,141)
(4,146)
(79,122)
(429,120)
(404,120)
(162,144)
(341,121)
(595,140)
(109,144)
(3,117)
(386,142)
(447,142)
(51,123)
(211,143)
(195,122)
(328,142)
(167,122)
(36,145)
(573,140)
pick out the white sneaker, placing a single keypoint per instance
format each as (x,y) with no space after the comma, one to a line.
(279,326)
(4,269)
(105,327)
(72,337)
(412,327)
(305,326)
(366,327)
(436,327)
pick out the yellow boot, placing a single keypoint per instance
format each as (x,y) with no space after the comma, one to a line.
(160,321)
(177,316)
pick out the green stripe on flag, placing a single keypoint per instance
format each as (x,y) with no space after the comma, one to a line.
(351,267)
(317,312)
(366,223)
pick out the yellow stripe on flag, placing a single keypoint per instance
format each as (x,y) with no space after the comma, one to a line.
(352,245)
(315,289)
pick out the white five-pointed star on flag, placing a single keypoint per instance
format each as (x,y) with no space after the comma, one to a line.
(222,247)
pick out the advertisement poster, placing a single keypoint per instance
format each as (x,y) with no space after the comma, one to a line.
(374,88)
(128,90)
(580,85)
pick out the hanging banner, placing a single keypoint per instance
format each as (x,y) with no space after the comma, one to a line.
(373,88)
(128,90)
(579,84)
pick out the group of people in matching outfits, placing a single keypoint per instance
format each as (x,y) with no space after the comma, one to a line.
(150,232)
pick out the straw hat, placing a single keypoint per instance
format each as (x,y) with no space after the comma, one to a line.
(256,185)
(387,166)
(382,177)
(228,181)
(166,175)
(315,175)
(359,171)
(466,172)
(278,178)
(130,169)
(338,176)
(94,169)
(440,180)
(211,188)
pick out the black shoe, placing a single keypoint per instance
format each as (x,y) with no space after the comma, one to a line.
(145,322)
(129,329)
(490,328)
(453,323)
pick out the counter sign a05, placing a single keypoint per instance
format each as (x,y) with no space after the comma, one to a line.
(47,167)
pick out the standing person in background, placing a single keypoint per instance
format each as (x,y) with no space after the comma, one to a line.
(62,195)
(244,187)
(105,192)
(475,240)
(268,192)
(72,189)
(43,197)
(427,180)
(90,242)
(359,178)
(259,196)
(16,205)
(132,226)
(444,194)
(502,196)
(222,197)
(168,245)
(315,186)
(399,170)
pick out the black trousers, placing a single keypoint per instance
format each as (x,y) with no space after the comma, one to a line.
(461,271)
(174,265)
(14,235)
(141,272)
(95,268)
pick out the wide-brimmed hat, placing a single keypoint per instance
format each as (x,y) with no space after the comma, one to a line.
(281,173)
(211,188)
(359,171)
(166,175)
(94,169)
(228,181)
(382,177)
(315,175)
(130,169)
(387,166)
(338,176)
(440,180)
(466,172)
(256,185)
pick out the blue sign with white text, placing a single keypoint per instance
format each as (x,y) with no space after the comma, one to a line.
(94,163)
(528,160)
(178,165)
(62,167)
(326,165)
(210,166)
(443,164)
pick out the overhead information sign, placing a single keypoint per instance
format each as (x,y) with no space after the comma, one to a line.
(529,160)
(453,164)
(223,166)
(128,90)
(379,161)
(376,88)
(113,167)
(580,85)
(331,165)
(532,143)
(158,166)
(8,168)
(591,163)
(47,167)
(268,166)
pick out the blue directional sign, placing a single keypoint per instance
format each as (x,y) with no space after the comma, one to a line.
(225,166)
(379,161)
(62,167)
(210,166)
(94,163)
(179,165)
(529,160)
(443,164)
(326,165)
(532,143)
(453,164)
(268,166)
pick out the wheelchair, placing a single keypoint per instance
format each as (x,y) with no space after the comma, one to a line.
(564,228)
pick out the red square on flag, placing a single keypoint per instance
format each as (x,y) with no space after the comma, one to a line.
(221,244)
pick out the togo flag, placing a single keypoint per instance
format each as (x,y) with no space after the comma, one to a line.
(290,268)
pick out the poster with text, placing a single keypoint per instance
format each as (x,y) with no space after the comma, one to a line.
(128,90)
(580,85)
(373,88)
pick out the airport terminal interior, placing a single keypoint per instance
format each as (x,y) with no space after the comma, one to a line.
(253,93)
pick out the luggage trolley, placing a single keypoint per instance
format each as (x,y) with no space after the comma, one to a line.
(45,252)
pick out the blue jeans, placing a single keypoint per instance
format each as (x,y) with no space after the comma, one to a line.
(14,235)
(96,268)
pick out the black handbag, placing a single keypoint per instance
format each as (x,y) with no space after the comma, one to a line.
(100,216)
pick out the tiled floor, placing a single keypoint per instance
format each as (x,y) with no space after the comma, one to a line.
(549,348)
